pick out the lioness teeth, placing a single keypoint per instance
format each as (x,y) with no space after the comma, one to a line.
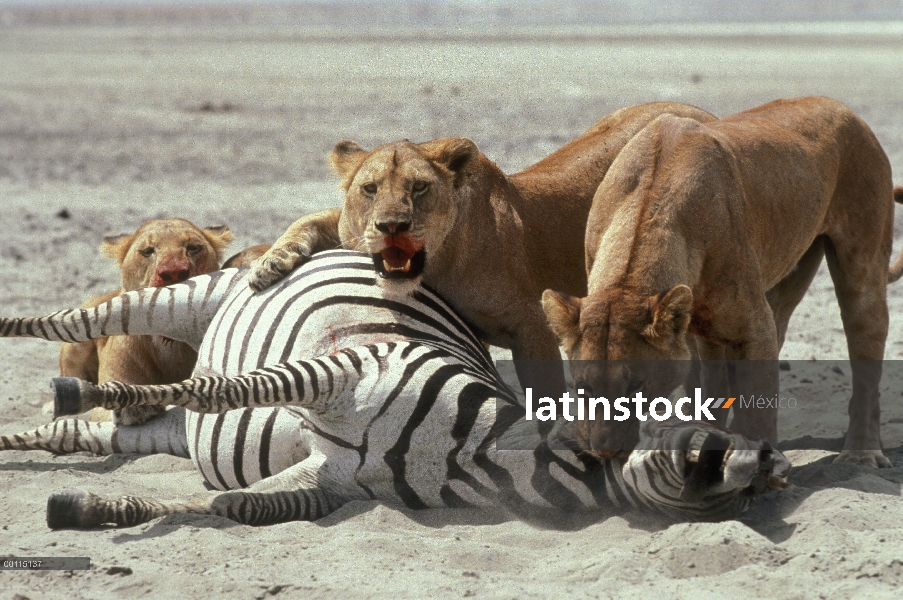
(390,269)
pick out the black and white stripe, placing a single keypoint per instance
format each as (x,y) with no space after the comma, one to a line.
(327,388)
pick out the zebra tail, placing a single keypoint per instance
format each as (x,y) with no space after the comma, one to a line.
(182,312)
(162,435)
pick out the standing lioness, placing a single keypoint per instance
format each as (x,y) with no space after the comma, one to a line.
(697,228)
(487,243)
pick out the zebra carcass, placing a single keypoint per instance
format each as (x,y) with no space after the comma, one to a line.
(328,388)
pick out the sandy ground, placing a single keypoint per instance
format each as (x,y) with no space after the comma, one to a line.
(118,125)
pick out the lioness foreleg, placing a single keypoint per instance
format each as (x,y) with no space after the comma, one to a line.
(754,356)
(537,359)
(310,234)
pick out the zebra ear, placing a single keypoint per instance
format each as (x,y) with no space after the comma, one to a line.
(116,246)
(563,313)
(346,159)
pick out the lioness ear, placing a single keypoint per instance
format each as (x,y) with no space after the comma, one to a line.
(346,159)
(563,313)
(116,246)
(671,313)
(455,154)
(219,237)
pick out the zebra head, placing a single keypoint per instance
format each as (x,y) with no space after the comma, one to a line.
(718,471)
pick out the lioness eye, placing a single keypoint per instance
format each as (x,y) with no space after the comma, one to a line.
(193,248)
(420,187)
(369,188)
(147,251)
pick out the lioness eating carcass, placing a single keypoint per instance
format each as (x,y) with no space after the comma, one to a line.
(711,234)
(159,253)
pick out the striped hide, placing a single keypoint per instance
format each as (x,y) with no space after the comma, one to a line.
(328,388)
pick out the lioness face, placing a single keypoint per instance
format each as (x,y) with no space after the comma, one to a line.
(163,252)
(619,344)
(401,200)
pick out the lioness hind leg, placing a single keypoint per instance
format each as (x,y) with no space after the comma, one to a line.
(858,267)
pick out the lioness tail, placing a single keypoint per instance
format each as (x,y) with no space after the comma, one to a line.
(896,269)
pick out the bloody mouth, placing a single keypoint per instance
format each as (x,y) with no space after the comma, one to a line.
(400,259)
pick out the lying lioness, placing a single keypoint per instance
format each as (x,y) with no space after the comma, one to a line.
(245,257)
(159,253)
(711,234)
(487,243)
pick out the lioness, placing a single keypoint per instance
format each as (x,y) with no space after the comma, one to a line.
(245,257)
(159,253)
(487,243)
(711,233)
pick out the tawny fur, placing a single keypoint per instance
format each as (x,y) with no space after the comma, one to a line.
(493,242)
(709,234)
(245,257)
(159,253)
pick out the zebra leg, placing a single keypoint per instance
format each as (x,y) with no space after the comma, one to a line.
(293,495)
(314,384)
(182,312)
(164,435)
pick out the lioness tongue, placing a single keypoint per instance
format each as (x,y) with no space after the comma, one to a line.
(396,258)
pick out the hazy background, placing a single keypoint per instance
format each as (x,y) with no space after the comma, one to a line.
(489,12)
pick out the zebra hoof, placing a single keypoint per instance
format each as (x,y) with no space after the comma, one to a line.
(67,396)
(65,509)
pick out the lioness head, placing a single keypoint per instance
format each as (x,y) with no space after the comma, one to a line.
(620,343)
(163,252)
(402,200)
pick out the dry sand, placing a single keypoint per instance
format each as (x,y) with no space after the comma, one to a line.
(117,125)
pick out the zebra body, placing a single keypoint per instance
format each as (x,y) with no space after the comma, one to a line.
(327,388)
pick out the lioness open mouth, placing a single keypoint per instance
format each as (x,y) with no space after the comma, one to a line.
(398,263)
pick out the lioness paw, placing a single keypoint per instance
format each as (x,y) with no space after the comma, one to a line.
(869,458)
(274,266)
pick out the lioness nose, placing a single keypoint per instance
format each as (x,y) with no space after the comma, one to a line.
(172,275)
(392,227)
